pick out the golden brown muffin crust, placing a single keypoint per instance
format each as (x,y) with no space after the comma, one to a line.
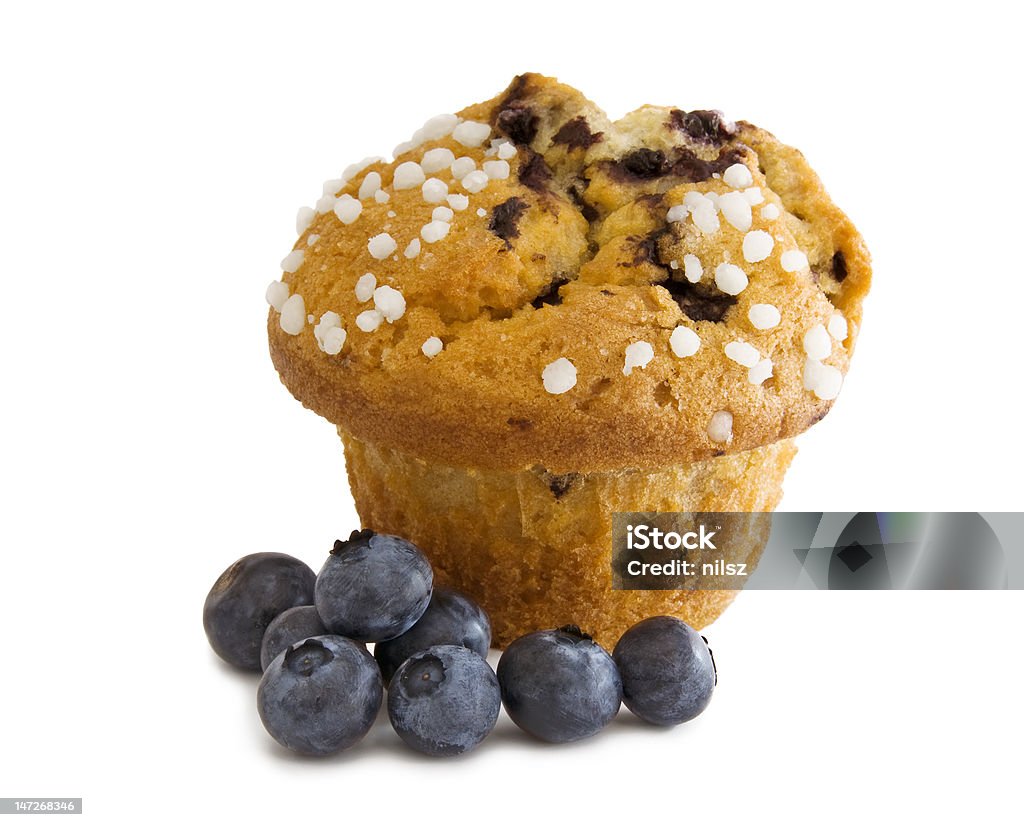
(574,256)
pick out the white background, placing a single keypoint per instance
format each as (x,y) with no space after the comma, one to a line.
(153,158)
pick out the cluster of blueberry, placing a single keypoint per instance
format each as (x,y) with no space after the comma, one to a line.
(321,689)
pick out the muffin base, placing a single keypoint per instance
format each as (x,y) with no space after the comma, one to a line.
(534,549)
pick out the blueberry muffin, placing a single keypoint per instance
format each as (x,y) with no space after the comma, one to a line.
(534,317)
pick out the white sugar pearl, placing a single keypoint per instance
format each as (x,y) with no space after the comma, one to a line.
(506,150)
(824,380)
(389,302)
(303,218)
(757,245)
(370,185)
(817,343)
(365,286)
(793,261)
(674,264)
(720,427)
(743,353)
(830,382)
(692,268)
(327,321)
(638,355)
(559,376)
(496,170)
(408,175)
(381,197)
(324,204)
(677,213)
(704,217)
(431,347)
(812,373)
(352,170)
(736,210)
(481,212)
(332,185)
(754,196)
(439,126)
(434,191)
(760,372)
(684,342)
(293,315)
(434,160)
(838,328)
(333,341)
(730,279)
(764,316)
(381,246)
(458,202)
(312,239)
(471,133)
(293,261)
(369,320)
(769,212)
(738,176)
(277,294)
(461,167)
(442,214)
(407,146)
(694,199)
(475,181)
(412,249)
(347,209)
(434,231)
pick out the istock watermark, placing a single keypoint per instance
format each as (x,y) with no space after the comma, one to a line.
(818,550)
(643,536)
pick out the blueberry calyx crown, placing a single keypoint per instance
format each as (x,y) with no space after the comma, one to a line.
(357,536)
(305,657)
(423,675)
(574,631)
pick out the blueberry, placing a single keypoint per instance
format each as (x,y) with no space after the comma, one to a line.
(246,597)
(444,701)
(451,618)
(373,587)
(320,695)
(289,627)
(559,685)
(667,671)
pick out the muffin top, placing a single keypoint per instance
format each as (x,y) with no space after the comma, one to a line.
(530,284)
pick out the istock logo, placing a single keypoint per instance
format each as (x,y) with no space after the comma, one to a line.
(641,537)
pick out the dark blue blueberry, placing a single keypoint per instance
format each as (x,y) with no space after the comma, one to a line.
(667,671)
(451,618)
(246,597)
(444,701)
(559,685)
(373,587)
(287,628)
(320,695)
